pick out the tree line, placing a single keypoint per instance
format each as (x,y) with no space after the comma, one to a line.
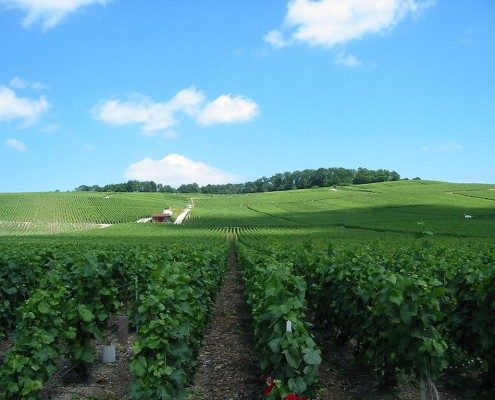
(308,178)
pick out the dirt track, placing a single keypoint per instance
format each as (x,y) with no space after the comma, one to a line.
(227,363)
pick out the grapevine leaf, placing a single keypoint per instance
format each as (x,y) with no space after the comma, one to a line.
(85,313)
(293,357)
(312,357)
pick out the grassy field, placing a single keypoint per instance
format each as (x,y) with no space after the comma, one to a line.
(383,210)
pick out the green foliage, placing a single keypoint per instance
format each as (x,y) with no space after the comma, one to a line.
(408,308)
(276,295)
(32,358)
(69,309)
(322,177)
(472,323)
(393,316)
(19,276)
(172,317)
(71,306)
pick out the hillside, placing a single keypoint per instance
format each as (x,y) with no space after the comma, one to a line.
(386,208)
(57,213)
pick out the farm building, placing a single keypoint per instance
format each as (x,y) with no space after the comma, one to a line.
(163,217)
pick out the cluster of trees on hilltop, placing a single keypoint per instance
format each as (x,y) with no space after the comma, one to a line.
(129,186)
(308,178)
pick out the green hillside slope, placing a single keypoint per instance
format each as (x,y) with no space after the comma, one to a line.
(46,213)
(407,207)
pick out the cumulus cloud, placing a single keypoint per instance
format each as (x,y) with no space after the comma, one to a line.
(48,12)
(14,107)
(228,109)
(176,169)
(19,83)
(15,144)
(161,116)
(152,116)
(347,60)
(329,23)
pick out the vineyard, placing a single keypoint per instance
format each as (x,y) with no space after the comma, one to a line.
(394,273)
(58,213)
(414,310)
(57,302)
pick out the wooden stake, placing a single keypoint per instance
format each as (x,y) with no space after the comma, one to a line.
(137,302)
(123,329)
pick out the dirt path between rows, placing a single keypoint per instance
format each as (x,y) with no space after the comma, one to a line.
(227,363)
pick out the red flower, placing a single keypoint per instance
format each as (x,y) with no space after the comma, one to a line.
(293,396)
(269,386)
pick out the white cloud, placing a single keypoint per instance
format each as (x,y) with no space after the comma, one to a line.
(228,109)
(162,116)
(16,145)
(14,107)
(332,22)
(152,116)
(19,83)
(275,38)
(48,12)
(176,169)
(347,60)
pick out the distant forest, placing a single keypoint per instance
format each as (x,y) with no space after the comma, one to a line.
(309,178)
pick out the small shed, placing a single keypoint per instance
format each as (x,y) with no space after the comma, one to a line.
(161,218)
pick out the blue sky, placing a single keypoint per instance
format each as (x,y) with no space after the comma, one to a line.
(96,91)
